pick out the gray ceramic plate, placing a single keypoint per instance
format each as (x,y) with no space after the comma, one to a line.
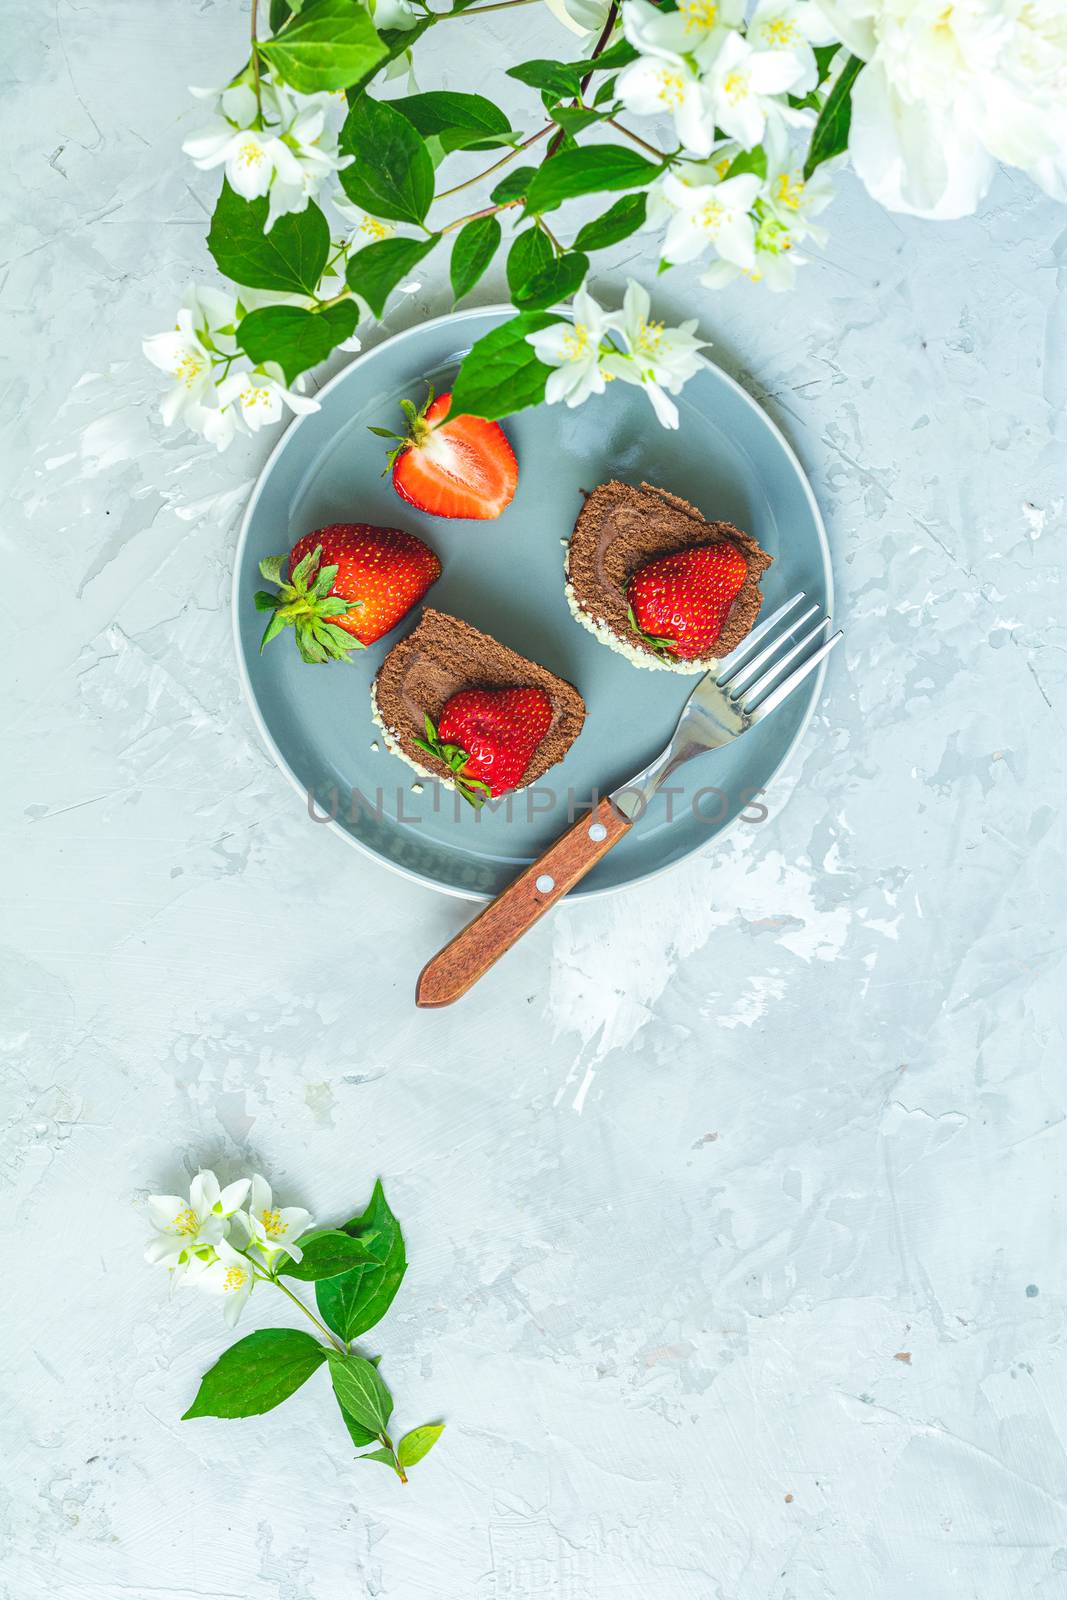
(506,577)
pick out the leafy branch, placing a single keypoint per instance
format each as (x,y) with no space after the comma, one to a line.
(216,1244)
(270,235)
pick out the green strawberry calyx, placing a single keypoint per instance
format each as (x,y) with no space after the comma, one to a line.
(304,603)
(664,648)
(473,790)
(418,429)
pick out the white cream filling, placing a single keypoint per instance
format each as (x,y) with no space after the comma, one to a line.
(393,745)
(636,656)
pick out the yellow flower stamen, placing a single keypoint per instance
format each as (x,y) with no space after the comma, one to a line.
(250,154)
(779,33)
(187,1222)
(789,191)
(252,395)
(273,1226)
(375,228)
(576,342)
(234,1278)
(699,14)
(671,89)
(650,338)
(711,215)
(735,86)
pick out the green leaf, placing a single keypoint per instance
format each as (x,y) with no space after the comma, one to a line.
(375,271)
(604,93)
(332,1251)
(501,373)
(749,161)
(280,11)
(361,1391)
(460,121)
(330,45)
(291,257)
(620,54)
(256,1374)
(359,1435)
(379,1455)
(558,281)
(418,1443)
(831,131)
(824,55)
(355,1301)
(574,118)
(530,253)
(513,185)
(555,78)
(475,246)
(392,175)
(296,339)
(397,42)
(616,223)
(587,171)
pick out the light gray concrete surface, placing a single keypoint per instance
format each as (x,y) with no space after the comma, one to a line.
(734,1204)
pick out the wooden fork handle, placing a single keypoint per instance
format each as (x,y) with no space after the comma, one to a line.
(457,967)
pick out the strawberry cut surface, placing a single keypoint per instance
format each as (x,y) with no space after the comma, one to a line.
(454,466)
(680,603)
(344,586)
(488,737)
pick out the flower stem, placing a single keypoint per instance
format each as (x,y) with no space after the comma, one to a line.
(388,1443)
(486,211)
(550,236)
(477,11)
(255,59)
(601,45)
(323,1329)
(651,148)
(525,145)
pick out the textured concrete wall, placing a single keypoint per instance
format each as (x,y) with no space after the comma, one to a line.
(735,1204)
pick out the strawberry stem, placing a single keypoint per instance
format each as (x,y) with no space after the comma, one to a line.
(418,428)
(473,790)
(304,602)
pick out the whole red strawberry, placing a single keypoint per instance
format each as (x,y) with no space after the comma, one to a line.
(347,585)
(487,737)
(452,466)
(679,603)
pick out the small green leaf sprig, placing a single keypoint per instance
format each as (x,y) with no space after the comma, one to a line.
(666,649)
(230,1241)
(473,790)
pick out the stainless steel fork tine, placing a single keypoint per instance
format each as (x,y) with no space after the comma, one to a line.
(786,687)
(747,700)
(738,679)
(739,652)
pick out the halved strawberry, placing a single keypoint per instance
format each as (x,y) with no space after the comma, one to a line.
(679,603)
(347,585)
(488,737)
(459,467)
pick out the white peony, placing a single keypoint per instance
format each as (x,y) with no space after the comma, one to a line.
(949,90)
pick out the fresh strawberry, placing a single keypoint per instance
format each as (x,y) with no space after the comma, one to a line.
(679,604)
(347,585)
(459,467)
(487,737)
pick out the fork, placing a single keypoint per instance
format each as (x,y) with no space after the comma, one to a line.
(739,691)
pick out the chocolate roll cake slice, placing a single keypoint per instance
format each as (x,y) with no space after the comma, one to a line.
(622,530)
(444,657)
